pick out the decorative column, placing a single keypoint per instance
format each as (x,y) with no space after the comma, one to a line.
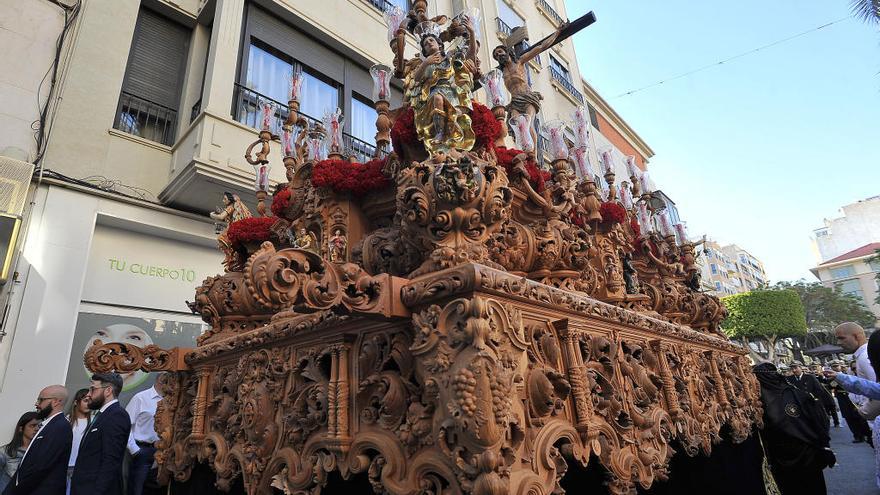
(381,75)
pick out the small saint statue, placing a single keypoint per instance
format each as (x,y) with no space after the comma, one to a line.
(304,240)
(337,246)
(438,87)
(233,210)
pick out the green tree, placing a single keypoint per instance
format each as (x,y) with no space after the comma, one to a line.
(825,308)
(867,10)
(766,315)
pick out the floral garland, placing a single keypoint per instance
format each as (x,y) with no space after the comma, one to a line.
(612,212)
(253,229)
(537,177)
(280,200)
(343,176)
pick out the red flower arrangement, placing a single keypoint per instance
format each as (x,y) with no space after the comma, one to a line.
(343,176)
(537,177)
(280,200)
(486,128)
(403,132)
(254,229)
(612,212)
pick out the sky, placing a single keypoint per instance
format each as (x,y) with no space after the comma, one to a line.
(759,150)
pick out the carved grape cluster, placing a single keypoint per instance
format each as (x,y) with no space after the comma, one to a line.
(463,385)
(501,402)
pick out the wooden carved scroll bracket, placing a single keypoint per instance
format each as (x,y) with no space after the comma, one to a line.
(125,358)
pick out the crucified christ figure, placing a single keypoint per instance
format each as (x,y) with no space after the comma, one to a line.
(522,99)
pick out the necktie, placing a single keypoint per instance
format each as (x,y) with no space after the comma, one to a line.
(91,423)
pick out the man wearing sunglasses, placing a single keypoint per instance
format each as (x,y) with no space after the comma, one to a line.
(98,469)
(40,471)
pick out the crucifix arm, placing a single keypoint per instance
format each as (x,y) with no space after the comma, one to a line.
(545,44)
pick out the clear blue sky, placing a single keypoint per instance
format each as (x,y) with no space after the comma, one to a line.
(759,150)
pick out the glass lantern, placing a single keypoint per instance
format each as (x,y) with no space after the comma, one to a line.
(607,162)
(665,224)
(581,128)
(631,168)
(581,162)
(261,177)
(315,148)
(296,82)
(267,114)
(626,196)
(394,17)
(681,231)
(493,82)
(287,139)
(473,15)
(555,130)
(381,75)
(333,128)
(644,183)
(522,132)
(644,218)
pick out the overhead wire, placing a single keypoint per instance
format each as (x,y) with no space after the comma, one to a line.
(740,55)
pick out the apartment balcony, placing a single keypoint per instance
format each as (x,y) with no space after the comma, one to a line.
(208,158)
(503,28)
(146,119)
(549,12)
(566,85)
(384,5)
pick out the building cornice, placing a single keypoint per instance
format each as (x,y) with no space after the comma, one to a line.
(617,121)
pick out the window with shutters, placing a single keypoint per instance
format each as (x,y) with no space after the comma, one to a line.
(150,97)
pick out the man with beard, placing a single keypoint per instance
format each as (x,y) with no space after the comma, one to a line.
(513,68)
(98,469)
(43,469)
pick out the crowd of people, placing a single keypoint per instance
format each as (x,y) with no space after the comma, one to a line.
(82,451)
(801,403)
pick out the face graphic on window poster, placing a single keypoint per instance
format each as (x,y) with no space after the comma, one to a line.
(126,334)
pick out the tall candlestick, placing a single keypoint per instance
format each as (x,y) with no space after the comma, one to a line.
(558,148)
(287,141)
(394,17)
(644,183)
(582,165)
(333,127)
(666,224)
(381,75)
(644,218)
(493,82)
(631,168)
(296,82)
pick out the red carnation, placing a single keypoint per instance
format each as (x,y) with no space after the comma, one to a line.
(280,201)
(403,132)
(254,229)
(342,176)
(537,177)
(486,128)
(612,212)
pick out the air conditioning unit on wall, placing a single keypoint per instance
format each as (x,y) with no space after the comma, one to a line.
(15,177)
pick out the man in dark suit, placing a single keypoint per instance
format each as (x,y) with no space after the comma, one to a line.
(42,470)
(98,469)
(808,383)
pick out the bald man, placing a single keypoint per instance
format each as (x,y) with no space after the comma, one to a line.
(851,337)
(43,469)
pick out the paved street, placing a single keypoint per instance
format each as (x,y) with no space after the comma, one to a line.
(854,473)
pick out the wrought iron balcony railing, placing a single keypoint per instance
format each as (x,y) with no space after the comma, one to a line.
(147,119)
(247,112)
(503,29)
(565,83)
(550,11)
(195,111)
(384,5)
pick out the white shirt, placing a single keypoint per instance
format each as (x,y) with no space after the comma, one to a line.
(105,406)
(863,365)
(79,430)
(142,411)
